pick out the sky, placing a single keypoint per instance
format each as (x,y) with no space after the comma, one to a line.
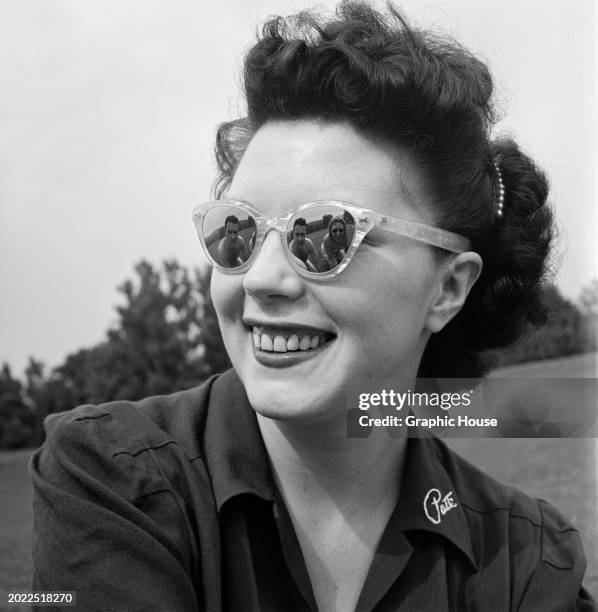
(108,110)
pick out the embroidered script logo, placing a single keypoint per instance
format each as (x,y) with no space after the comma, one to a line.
(436,506)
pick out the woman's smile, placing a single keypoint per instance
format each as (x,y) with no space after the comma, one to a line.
(283,346)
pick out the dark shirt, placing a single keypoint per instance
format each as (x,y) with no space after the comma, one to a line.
(169,504)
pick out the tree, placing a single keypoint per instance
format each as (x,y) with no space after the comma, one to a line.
(17,418)
(563,333)
(588,304)
(166,339)
(588,299)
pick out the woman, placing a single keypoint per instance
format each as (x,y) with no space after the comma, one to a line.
(246,493)
(334,244)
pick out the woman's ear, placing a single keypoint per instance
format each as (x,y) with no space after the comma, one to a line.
(456,280)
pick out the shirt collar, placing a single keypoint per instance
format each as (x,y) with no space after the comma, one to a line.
(234,450)
(428,498)
(238,463)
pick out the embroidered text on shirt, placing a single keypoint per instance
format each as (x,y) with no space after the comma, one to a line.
(436,506)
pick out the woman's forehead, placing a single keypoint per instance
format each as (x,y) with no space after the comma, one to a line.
(289,163)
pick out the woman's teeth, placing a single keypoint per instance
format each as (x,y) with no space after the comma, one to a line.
(281,344)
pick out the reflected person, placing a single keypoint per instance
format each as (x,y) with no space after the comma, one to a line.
(302,247)
(232,249)
(334,245)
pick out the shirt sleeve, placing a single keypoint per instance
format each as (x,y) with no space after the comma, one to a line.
(107,525)
(556,583)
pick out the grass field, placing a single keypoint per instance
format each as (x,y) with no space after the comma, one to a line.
(562,471)
(15,520)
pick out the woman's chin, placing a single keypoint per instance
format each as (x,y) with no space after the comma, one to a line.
(292,408)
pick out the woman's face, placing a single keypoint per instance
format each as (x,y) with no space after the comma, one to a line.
(370,320)
(337,232)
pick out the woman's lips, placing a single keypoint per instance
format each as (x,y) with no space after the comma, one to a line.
(280,347)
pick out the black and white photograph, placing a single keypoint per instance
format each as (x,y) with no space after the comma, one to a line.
(299,306)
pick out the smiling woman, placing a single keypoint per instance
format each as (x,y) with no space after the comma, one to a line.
(365,225)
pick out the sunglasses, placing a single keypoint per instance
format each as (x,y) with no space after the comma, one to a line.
(321,218)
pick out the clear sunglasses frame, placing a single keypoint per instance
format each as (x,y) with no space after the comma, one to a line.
(365,221)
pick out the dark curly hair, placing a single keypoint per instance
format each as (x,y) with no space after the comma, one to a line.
(431,97)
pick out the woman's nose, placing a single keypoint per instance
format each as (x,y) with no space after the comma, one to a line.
(271,275)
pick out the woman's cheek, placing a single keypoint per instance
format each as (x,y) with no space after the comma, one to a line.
(227,297)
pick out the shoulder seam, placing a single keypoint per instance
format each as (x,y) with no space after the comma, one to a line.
(90,417)
(511,513)
(145,448)
(520,516)
(154,447)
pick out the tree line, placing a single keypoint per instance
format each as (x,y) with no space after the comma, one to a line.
(166,338)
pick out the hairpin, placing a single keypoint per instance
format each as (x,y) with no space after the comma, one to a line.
(500,191)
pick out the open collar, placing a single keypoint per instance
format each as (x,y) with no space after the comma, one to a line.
(238,464)
(234,451)
(428,498)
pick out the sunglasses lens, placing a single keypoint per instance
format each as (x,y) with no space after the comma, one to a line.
(319,237)
(229,235)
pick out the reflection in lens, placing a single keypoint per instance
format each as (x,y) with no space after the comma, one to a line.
(229,233)
(319,237)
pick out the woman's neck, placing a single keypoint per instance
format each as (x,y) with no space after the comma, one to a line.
(339,493)
(320,465)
